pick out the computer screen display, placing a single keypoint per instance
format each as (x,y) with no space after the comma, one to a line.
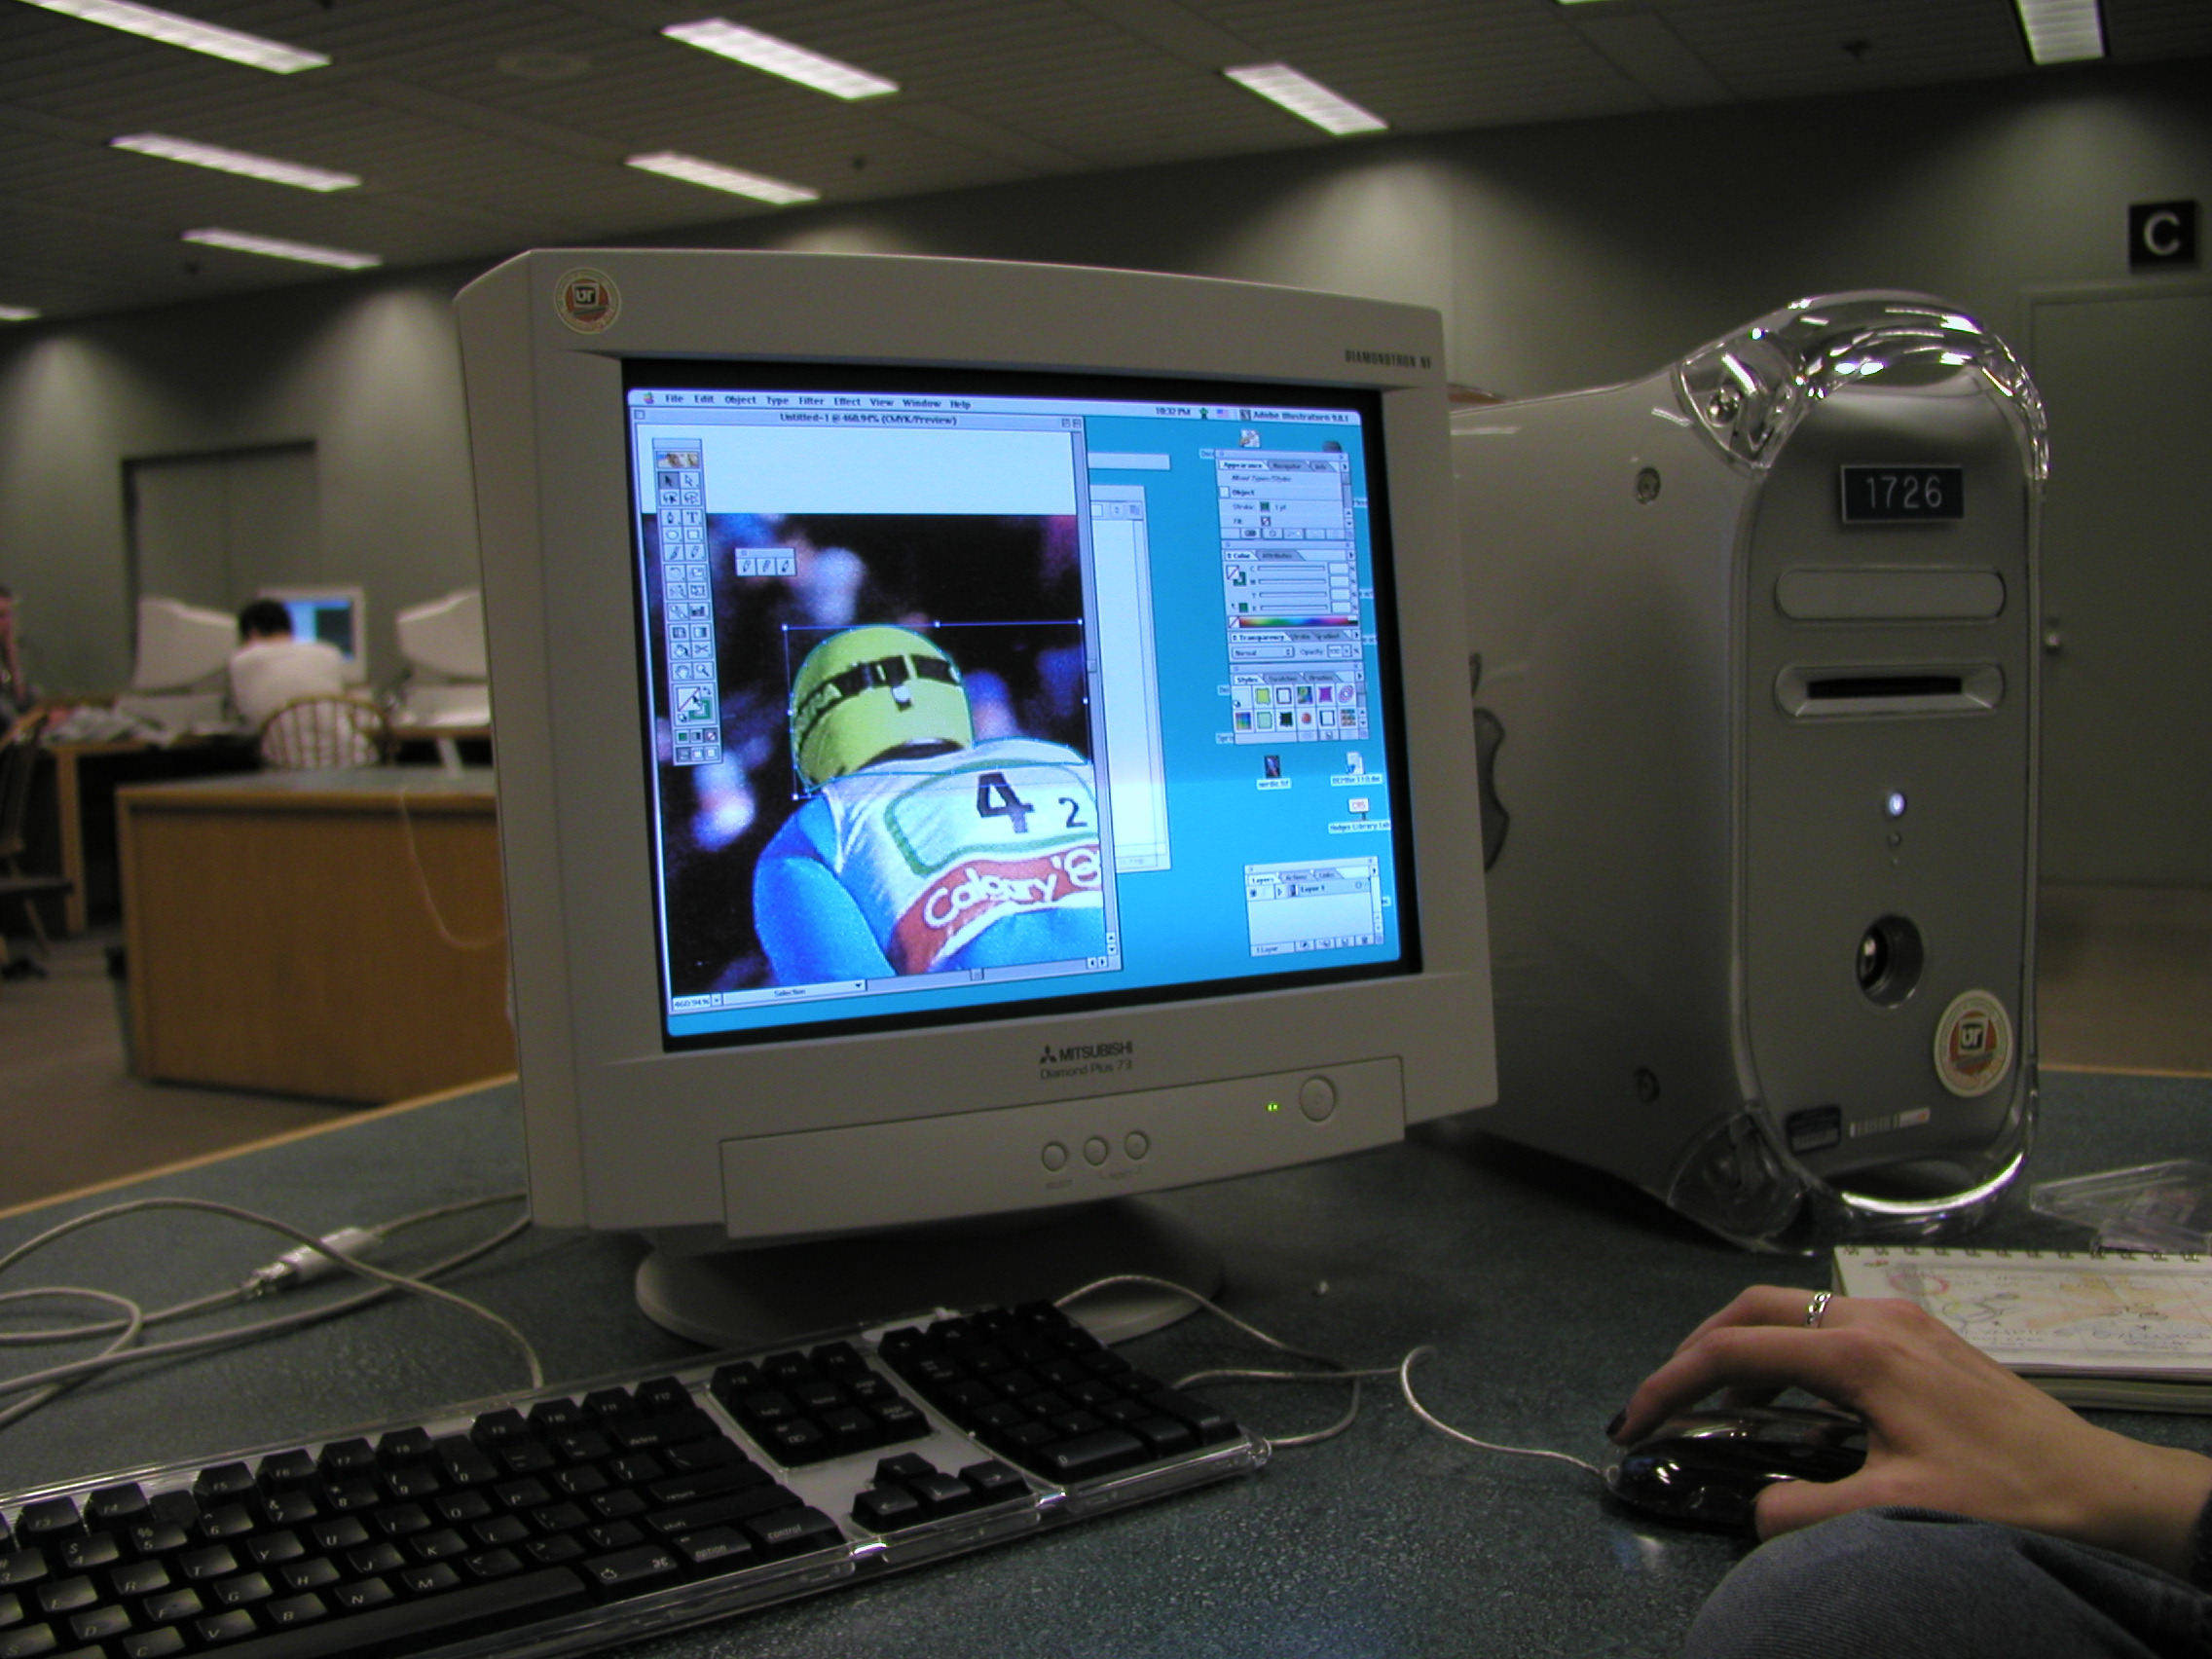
(967,690)
(330,616)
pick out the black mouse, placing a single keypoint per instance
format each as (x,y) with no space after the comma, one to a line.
(1710,1467)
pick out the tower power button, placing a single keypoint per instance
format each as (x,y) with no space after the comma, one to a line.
(1317,1098)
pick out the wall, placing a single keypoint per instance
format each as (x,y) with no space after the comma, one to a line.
(368,372)
(1565,255)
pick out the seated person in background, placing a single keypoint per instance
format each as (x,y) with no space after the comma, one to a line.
(270,668)
(1988,1520)
(17,699)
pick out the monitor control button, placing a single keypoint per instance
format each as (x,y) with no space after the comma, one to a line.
(1094,1149)
(1137,1144)
(1317,1098)
(1055,1155)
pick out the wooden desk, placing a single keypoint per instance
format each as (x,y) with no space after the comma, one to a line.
(75,837)
(282,935)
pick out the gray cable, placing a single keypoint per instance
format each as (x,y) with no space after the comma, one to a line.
(389,1283)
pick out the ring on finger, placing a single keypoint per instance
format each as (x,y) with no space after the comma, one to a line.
(1815,1309)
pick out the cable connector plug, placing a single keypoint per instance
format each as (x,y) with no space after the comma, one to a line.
(307,1264)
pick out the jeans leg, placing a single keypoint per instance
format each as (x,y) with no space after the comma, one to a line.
(1919,1584)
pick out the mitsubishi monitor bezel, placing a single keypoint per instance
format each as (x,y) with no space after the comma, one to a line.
(852,1130)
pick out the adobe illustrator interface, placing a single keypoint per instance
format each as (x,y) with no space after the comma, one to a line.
(1025,693)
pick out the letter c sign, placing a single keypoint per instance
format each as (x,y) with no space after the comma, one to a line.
(2161,234)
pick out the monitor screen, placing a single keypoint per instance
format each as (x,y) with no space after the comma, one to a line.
(975,691)
(331,617)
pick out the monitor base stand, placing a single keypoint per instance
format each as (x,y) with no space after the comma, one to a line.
(761,1298)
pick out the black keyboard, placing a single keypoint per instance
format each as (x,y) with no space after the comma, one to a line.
(552,1522)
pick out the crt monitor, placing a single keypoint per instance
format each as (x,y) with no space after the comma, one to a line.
(335,615)
(181,645)
(444,636)
(979,742)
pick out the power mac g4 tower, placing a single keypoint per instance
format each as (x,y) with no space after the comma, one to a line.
(1756,694)
(979,742)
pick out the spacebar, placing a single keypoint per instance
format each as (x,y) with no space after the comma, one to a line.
(412,1627)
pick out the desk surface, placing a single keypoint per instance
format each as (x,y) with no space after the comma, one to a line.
(351,783)
(1548,1290)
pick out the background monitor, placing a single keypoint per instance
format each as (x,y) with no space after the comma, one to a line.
(181,645)
(335,615)
(445,636)
(979,741)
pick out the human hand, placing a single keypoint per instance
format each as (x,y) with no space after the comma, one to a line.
(1948,1427)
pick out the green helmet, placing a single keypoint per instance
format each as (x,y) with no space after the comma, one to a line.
(867,691)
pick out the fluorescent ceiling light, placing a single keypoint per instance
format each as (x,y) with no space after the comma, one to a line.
(2062,32)
(242,162)
(275,248)
(18,314)
(670,163)
(189,33)
(1306,98)
(764,52)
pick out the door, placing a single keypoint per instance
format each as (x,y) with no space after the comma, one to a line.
(2127,584)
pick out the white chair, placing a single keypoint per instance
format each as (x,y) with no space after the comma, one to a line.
(323,733)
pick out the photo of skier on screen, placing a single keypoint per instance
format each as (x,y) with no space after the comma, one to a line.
(921,849)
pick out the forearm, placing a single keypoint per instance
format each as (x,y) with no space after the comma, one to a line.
(2148,1502)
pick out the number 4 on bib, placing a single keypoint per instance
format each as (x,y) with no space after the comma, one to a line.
(995,798)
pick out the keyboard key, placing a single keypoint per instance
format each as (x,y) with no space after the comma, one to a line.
(944,1495)
(609,1403)
(430,1581)
(157,1539)
(717,1511)
(360,1597)
(172,1606)
(558,1518)
(283,1469)
(500,1529)
(213,1562)
(343,1534)
(796,1442)
(901,1421)
(224,1480)
(67,1595)
(350,1497)
(631,1569)
(294,1611)
(437,1546)
(157,1644)
(243,1590)
(663,1394)
(225,1521)
(1099,1454)
(375,1558)
(492,1564)
(403,1446)
(27,1641)
(838,1359)
(1208,1424)
(401,1519)
(994,1480)
(94,1549)
(793,1532)
(100,1623)
(313,1574)
(289,1508)
(414,1479)
(347,1459)
(10,1609)
(547,1415)
(614,1536)
(881,1508)
(1165,1435)
(494,1429)
(273,1549)
(717,1549)
(708,1482)
(111,1504)
(232,1626)
(528,1494)
(457,1507)
(139,1578)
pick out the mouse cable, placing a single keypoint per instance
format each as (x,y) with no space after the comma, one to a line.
(50,1381)
(1338,1372)
(291,1270)
(1405,1370)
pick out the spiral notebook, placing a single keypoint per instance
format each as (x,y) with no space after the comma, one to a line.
(2129,1332)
